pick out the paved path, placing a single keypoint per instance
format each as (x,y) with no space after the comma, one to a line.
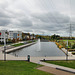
(65,51)
(36,60)
(54,71)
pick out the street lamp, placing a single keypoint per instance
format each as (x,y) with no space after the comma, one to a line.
(67,51)
(4,47)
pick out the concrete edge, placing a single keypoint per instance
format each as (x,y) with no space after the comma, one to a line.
(20,47)
(61,67)
(64,70)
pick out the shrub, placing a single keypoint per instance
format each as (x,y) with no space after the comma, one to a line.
(60,46)
(73,46)
(9,40)
(14,40)
(69,43)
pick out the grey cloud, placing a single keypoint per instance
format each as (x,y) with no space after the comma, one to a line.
(51,21)
(15,19)
(52,17)
(4,21)
(25,22)
(3,14)
(28,30)
(3,4)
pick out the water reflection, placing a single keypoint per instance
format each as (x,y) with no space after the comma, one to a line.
(38,45)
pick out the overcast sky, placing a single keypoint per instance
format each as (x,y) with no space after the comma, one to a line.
(38,16)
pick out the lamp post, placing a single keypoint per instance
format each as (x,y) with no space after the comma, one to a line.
(67,51)
(4,47)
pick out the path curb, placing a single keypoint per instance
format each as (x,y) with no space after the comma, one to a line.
(65,70)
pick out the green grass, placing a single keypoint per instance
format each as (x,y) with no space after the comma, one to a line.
(20,68)
(29,42)
(66,40)
(16,45)
(69,63)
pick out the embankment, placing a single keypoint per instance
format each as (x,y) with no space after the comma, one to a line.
(20,47)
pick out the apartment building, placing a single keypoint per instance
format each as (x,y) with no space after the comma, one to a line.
(15,35)
(10,35)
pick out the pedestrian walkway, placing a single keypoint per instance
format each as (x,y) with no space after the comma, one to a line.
(54,71)
(65,51)
(37,60)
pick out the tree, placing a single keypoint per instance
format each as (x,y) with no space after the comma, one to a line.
(55,36)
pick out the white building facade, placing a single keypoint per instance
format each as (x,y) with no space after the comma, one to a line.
(15,35)
(3,33)
(10,35)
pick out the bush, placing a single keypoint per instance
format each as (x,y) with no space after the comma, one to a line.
(57,44)
(69,43)
(60,46)
(73,47)
(9,40)
(14,40)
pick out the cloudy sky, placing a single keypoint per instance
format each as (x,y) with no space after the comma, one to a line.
(38,16)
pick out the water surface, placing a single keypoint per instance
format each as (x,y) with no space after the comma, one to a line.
(40,50)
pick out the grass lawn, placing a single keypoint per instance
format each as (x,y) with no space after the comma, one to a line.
(16,45)
(20,68)
(66,40)
(69,63)
(1,45)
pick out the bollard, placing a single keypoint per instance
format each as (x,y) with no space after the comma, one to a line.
(28,58)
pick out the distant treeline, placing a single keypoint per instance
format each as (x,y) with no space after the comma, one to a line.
(54,37)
